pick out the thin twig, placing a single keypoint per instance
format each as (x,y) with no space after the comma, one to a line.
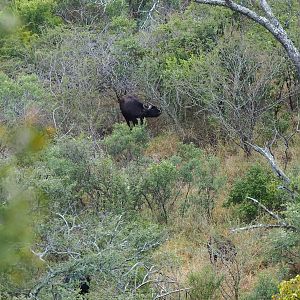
(172,292)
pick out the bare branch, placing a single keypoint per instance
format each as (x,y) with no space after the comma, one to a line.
(268,11)
(267,210)
(172,292)
(40,255)
(269,156)
(262,226)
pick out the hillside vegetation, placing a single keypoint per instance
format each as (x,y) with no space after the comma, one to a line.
(200,203)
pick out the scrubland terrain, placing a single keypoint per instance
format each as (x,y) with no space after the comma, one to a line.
(200,203)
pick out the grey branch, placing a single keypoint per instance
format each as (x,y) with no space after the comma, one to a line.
(262,226)
(267,210)
(269,156)
(171,292)
(281,223)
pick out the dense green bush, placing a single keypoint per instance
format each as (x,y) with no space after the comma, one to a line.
(126,144)
(202,175)
(36,14)
(285,244)
(159,188)
(62,173)
(259,184)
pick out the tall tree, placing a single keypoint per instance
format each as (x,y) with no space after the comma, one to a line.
(268,21)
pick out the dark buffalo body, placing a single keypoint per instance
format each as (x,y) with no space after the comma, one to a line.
(82,281)
(132,110)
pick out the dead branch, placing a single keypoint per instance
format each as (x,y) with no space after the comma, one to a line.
(281,222)
(262,226)
(171,292)
(265,152)
(267,210)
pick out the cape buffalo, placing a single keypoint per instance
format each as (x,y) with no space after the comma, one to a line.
(132,109)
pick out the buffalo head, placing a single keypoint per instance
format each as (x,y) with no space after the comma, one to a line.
(151,111)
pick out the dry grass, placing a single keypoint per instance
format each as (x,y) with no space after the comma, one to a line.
(190,256)
(163,146)
(190,235)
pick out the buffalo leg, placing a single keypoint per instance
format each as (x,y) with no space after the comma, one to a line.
(135,122)
(128,123)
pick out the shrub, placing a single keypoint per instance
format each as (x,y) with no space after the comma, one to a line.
(17,263)
(264,288)
(289,290)
(63,173)
(160,188)
(259,184)
(21,99)
(69,179)
(202,174)
(286,243)
(36,13)
(204,284)
(126,144)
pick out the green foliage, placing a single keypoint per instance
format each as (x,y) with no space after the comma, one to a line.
(62,173)
(36,14)
(159,187)
(21,98)
(17,263)
(202,174)
(116,8)
(70,180)
(125,143)
(285,244)
(113,250)
(81,12)
(265,287)
(189,179)
(8,22)
(122,24)
(259,184)
(289,290)
(192,33)
(204,284)
(80,205)
(114,187)
(14,227)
